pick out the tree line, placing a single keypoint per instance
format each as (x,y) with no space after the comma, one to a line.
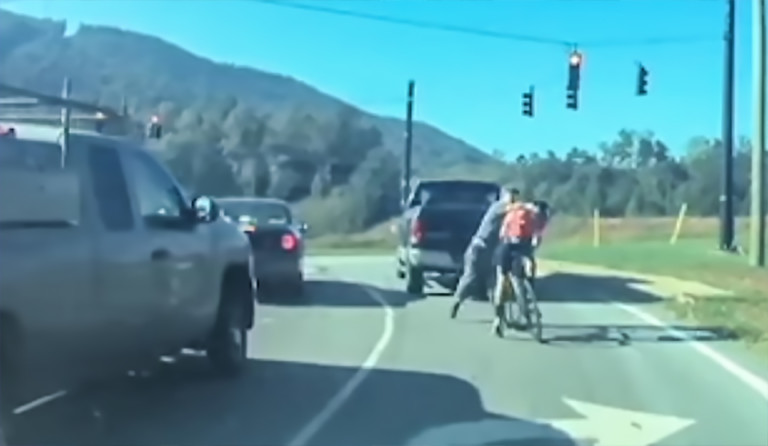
(341,178)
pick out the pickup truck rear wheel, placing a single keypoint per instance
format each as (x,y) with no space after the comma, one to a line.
(414,280)
(228,344)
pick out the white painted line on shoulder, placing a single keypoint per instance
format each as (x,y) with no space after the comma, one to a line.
(39,402)
(756,383)
(345,393)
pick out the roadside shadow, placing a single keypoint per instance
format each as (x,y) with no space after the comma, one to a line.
(578,288)
(269,404)
(336,293)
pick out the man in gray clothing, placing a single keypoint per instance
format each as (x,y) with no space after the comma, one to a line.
(475,278)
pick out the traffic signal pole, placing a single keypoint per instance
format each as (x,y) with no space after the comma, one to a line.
(726,197)
(757,220)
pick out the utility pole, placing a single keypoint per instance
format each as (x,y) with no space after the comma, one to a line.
(408,143)
(66,115)
(757,221)
(726,197)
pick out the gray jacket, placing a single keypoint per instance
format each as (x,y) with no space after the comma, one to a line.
(488,232)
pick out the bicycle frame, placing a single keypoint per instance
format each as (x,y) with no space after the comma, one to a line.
(529,303)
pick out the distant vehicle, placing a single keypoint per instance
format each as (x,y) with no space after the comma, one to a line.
(107,265)
(438,222)
(276,240)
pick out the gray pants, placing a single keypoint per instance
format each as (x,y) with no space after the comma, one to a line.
(476,278)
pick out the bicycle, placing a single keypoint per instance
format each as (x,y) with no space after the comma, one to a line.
(519,283)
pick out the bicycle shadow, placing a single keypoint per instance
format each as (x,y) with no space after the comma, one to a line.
(627,334)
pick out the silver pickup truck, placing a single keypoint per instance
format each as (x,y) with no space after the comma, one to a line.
(106,265)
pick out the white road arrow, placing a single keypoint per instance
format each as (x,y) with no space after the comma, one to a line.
(601,426)
(611,426)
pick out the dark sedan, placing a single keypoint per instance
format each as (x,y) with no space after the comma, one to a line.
(276,238)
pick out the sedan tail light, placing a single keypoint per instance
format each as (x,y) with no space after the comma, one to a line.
(289,242)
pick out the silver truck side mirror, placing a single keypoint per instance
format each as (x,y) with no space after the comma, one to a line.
(205,208)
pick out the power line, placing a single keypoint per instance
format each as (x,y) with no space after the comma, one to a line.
(419,23)
(436,26)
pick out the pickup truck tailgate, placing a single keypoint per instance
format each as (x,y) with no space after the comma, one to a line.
(449,228)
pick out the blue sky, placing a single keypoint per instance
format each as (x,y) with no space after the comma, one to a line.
(471,85)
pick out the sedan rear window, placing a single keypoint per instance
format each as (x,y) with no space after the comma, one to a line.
(257,212)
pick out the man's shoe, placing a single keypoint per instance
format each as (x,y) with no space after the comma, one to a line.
(455,309)
(498,328)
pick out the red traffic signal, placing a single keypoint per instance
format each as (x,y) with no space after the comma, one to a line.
(574,70)
(154,128)
(575,58)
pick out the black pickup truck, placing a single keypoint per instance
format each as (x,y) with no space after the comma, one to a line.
(438,222)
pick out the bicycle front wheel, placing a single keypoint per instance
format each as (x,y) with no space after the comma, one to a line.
(508,300)
(534,314)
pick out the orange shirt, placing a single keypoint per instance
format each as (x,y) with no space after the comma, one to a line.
(521,221)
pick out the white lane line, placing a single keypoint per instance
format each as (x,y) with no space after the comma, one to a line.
(39,402)
(337,402)
(756,383)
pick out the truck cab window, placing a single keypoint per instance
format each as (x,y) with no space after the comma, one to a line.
(29,155)
(110,189)
(156,192)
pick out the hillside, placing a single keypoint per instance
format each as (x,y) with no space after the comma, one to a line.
(36,54)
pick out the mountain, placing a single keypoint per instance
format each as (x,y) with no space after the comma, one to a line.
(106,64)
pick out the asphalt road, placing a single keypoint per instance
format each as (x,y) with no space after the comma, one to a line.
(360,363)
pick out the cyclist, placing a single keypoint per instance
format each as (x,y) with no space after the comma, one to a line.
(520,232)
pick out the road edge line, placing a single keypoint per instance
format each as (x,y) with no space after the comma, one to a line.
(340,398)
(45,399)
(753,381)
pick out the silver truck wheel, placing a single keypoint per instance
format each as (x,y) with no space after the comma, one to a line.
(228,346)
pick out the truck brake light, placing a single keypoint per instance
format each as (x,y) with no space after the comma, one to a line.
(417,231)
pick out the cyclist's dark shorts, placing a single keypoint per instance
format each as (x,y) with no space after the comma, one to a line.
(506,252)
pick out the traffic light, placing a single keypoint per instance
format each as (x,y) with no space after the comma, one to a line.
(101,119)
(528,103)
(155,128)
(642,81)
(574,71)
(574,80)
(573,100)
